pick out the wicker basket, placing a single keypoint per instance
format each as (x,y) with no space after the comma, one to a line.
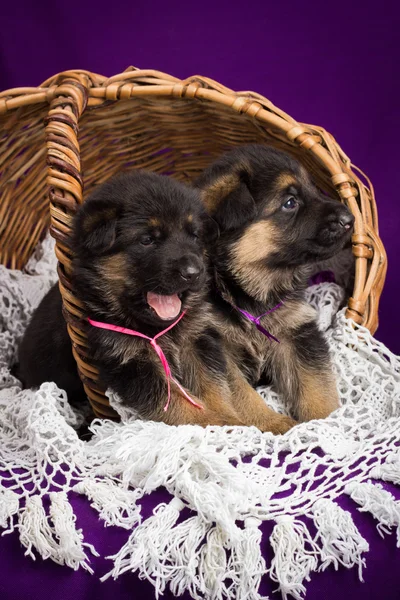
(86,127)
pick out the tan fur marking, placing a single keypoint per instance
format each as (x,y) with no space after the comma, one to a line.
(318,395)
(293,314)
(284,180)
(252,409)
(190,219)
(215,399)
(311,392)
(154,222)
(255,244)
(222,186)
(305,176)
(248,254)
(93,219)
(113,271)
(181,412)
(219,189)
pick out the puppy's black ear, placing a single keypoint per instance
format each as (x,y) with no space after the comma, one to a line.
(228,200)
(210,229)
(96,226)
(237,209)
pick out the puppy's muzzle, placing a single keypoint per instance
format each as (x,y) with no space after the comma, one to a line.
(341,221)
(336,226)
(190,269)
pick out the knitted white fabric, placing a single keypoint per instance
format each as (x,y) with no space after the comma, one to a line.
(216,472)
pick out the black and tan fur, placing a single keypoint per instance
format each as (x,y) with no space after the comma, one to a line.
(141,233)
(274,224)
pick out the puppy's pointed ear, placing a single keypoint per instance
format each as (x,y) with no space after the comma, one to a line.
(96,226)
(228,200)
(210,229)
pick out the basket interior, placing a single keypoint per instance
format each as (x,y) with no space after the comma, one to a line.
(24,210)
(177,137)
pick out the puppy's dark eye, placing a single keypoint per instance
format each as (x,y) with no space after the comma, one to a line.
(194,235)
(290,204)
(146,240)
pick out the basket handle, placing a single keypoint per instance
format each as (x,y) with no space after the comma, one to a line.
(65,186)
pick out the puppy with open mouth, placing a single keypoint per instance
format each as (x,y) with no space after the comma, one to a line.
(140,271)
(274,223)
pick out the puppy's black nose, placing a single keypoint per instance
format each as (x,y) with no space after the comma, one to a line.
(189,272)
(340,219)
(346,220)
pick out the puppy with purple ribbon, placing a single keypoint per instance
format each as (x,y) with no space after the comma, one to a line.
(274,224)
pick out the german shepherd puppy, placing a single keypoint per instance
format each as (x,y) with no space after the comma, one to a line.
(140,265)
(274,224)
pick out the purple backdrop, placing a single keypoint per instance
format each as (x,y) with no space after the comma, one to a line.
(330,64)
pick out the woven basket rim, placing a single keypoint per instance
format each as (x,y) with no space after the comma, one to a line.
(98,85)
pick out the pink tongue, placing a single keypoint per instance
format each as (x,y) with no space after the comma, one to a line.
(167,307)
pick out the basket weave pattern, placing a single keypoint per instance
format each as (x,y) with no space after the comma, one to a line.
(87,127)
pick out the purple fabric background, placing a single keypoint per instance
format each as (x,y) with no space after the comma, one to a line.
(23,578)
(330,64)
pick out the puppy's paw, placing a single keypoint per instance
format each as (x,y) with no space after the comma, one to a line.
(312,413)
(278,424)
(318,407)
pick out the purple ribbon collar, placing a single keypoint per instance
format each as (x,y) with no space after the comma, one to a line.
(256,320)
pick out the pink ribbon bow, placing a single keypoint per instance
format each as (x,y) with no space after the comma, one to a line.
(159,351)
